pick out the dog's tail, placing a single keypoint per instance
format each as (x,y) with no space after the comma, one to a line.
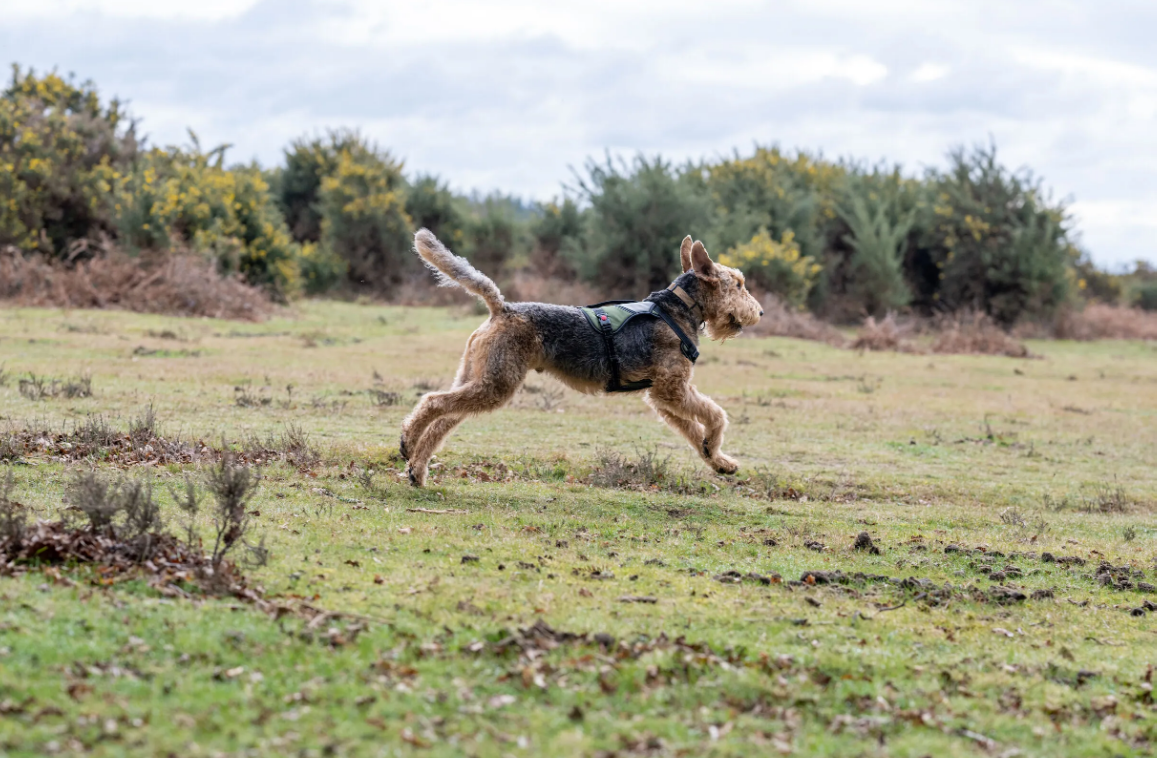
(454,271)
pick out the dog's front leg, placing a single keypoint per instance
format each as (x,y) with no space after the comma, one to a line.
(690,429)
(709,422)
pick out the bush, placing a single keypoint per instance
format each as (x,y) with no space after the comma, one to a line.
(876,267)
(1145,296)
(639,214)
(363,217)
(777,267)
(431,205)
(496,236)
(184,196)
(61,153)
(558,240)
(993,241)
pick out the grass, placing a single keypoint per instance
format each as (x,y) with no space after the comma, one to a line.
(580,512)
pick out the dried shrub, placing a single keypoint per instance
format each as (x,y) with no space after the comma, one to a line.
(887,334)
(291,446)
(975,333)
(646,469)
(180,284)
(1098,321)
(13,515)
(232,487)
(779,320)
(36,387)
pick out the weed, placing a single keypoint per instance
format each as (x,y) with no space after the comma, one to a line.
(43,388)
(245,397)
(95,431)
(1105,498)
(4,376)
(143,426)
(1012,517)
(13,515)
(1129,533)
(91,495)
(385,399)
(232,487)
(614,470)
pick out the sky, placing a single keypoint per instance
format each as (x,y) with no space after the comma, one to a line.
(513,95)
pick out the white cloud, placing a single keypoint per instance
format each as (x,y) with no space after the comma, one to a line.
(196,9)
(929,72)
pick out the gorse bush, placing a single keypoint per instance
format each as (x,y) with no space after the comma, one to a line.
(840,238)
(180,197)
(62,154)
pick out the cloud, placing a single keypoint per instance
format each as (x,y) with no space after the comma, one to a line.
(510,94)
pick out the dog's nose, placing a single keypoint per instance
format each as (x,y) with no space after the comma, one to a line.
(761,313)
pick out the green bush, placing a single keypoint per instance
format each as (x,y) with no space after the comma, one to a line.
(363,217)
(431,205)
(497,235)
(557,231)
(878,230)
(994,242)
(61,154)
(638,216)
(1145,296)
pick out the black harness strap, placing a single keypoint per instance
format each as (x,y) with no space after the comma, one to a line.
(612,357)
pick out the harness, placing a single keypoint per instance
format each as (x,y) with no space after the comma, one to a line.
(609,317)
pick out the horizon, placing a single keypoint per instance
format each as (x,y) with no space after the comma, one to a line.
(516,94)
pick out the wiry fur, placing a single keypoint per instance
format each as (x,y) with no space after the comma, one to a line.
(453,271)
(519,337)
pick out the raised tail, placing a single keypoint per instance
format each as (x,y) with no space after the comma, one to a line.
(454,271)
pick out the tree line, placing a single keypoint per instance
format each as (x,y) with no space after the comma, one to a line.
(841,238)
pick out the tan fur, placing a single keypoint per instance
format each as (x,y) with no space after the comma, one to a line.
(501,352)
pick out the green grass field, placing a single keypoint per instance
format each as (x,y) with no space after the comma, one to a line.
(689,615)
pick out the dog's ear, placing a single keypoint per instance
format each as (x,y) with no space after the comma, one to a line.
(685,254)
(701,261)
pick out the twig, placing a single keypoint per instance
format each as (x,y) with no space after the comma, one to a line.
(434,510)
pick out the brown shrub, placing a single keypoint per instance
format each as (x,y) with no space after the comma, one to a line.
(182,285)
(967,333)
(975,333)
(1098,321)
(888,334)
(779,320)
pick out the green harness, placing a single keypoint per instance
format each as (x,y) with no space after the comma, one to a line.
(609,317)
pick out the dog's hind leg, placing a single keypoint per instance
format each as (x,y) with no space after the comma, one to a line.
(408,440)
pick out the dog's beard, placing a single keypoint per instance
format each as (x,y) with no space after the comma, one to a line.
(725,330)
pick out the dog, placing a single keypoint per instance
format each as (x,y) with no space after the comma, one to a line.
(520,337)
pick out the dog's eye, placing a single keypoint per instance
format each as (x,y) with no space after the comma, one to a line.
(739,285)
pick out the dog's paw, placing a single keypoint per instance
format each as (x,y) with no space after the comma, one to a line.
(725,464)
(402,448)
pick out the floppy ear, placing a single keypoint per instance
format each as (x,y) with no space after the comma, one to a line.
(685,254)
(701,261)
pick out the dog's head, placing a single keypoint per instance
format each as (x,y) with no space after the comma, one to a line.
(722,291)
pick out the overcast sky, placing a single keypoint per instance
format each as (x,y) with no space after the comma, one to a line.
(508,95)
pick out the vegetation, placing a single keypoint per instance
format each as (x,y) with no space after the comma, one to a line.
(922,554)
(842,239)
